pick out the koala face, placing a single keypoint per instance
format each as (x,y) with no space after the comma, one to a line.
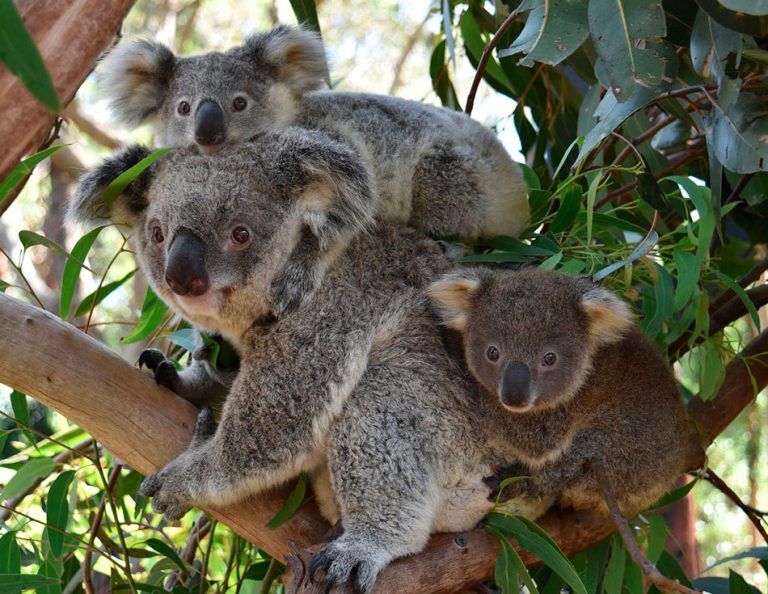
(530,335)
(213,232)
(215,99)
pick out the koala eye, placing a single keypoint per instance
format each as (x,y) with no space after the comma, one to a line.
(239,104)
(184,108)
(240,237)
(549,360)
(157,235)
(492,353)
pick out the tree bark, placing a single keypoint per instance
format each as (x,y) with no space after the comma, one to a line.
(146,426)
(70,36)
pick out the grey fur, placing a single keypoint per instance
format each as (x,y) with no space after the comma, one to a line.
(355,386)
(435,169)
(609,398)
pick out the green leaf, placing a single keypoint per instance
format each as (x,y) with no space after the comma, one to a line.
(72,270)
(291,504)
(650,191)
(29,239)
(448,30)
(20,408)
(742,294)
(626,35)
(100,294)
(152,314)
(711,372)
(551,262)
(532,538)
(596,558)
(505,574)
(25,168)
(10,555)
(306,13)
(553,30)
(185,338)
(441,80)
(57,512)
(21,56)
(26,476)
(752,553)
(633,578)
(658,536)
(640,250)
(687,278)
(711,44)
(570,204)
(737,584)
(736,20)
(664,301)
(11,582)
(753,7)
(740,134)
(167,552)
(117,186)
(614,572)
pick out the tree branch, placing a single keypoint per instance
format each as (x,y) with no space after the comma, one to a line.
(70,36)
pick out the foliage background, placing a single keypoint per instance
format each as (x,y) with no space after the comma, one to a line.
(700,114)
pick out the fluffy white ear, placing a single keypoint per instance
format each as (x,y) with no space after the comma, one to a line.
(608,316)
(297,53)
(135,76)
(452,296)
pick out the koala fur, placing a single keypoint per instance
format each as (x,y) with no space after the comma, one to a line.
(434,169)
(355,386)
(574,382)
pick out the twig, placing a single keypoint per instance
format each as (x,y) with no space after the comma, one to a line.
(407,49)
(750,512)
(87,559)
(662,582)
(270,576)
(199,531)
(88,128)
(484,60)
(745,179)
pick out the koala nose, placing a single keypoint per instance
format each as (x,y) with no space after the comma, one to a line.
(185,271)
(515,385)
(209,123)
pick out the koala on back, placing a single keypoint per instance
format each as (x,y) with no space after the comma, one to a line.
(437,170)
(575,382)
(355,386)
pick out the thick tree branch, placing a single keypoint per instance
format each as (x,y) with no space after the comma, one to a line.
(70,36)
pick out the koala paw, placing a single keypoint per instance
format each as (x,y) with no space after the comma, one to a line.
(344,562)
(205,428)
(169,497)
(163,370)
(511,490)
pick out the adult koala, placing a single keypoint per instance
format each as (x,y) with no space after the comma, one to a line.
(356,385)
(434,169)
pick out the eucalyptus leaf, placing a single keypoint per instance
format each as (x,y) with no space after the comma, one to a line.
(306,13)
(711,44)
(100,294)
(292,503)
(152,314)
(72,269)
(740,135)
(26,476)
(25,168)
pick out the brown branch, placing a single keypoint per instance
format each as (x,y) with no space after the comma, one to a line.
(723,487)
(410,43)
(484,60)
(88,128)
(95,525)
(70,36)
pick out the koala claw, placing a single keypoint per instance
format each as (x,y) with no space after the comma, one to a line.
(171,505)
(345,564)
(163,370)
(151,358)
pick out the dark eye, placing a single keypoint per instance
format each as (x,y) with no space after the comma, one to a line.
(492,353)
(157,235)
(239,104)
(183,108)
(240,235)
(549,360)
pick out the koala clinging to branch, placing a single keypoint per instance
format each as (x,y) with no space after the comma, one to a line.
(579,384)
(356,385)
(435,169)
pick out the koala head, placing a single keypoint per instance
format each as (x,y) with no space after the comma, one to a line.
(530,335)
(212,231)
(214,99)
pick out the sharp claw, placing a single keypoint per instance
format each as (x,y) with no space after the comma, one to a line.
(151,359)
(166,374)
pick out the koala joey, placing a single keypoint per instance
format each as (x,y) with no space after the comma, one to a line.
(437,170)
(355,386)
(574,382)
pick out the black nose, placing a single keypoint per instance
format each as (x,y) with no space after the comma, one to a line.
(185,271)
(209,123)
(516,384)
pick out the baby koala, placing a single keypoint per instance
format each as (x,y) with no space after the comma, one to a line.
(575,382)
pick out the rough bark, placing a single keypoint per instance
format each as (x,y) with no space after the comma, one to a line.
(70,36)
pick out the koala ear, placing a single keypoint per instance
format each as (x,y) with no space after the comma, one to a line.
(452,294)
(135,77)
(608,317)
(298,55)
(88,206)
(332,187)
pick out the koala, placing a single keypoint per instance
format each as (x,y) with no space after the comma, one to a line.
(574,383)
(355,386)
(434,169)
